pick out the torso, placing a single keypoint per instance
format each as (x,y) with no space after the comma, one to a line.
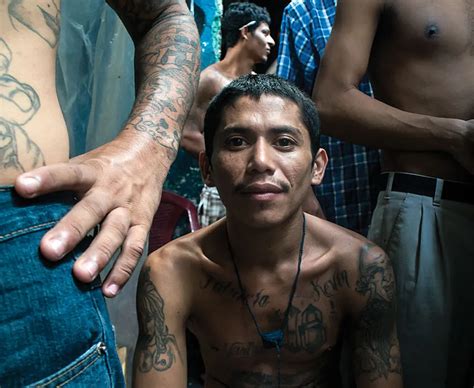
(233,351)
(32,128)
(422,61)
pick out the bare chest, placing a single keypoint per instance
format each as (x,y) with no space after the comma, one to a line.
(444,26)
(231,343)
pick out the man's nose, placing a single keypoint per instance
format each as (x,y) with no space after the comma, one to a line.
(271,42)
(261,158)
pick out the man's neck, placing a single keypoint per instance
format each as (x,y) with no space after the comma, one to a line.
(236,62)
(266,248)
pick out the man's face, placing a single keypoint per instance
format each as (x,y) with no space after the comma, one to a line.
(262,163)
(261,42)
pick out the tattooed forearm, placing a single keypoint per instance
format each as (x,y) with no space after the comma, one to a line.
(156,346)
(376,350)
(167,63)
(20,102)
(40,16)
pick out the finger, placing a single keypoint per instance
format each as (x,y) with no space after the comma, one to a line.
(55,177)
(111,236)
(123,268)
(74,226)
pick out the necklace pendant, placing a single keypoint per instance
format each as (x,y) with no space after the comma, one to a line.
(272,339)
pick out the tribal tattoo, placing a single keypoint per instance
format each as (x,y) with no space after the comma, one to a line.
(20,103)
(156,347)
(376,349)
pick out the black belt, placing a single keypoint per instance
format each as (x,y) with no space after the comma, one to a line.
(423,185)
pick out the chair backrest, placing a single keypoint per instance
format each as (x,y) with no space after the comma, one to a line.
(172,208)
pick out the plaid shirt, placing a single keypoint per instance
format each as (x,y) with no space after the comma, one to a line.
(348,193)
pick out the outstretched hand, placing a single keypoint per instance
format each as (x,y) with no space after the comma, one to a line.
(119,186)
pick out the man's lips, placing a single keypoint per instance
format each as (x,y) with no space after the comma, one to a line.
(262,188)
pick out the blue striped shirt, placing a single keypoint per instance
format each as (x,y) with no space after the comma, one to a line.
(349,191)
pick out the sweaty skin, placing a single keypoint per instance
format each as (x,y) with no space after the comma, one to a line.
(261,164)
(119,183)
(420,59)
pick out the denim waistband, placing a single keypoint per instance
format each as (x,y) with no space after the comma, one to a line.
(21,215)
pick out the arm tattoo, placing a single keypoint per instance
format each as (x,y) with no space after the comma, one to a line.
(376,351)
(155,346)
(20,102)
(40,16)
(167,63)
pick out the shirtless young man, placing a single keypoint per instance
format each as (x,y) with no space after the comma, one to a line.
(420,58)
(53,328)
(246,35)
(267,267)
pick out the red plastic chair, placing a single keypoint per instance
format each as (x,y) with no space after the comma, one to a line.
(171,209)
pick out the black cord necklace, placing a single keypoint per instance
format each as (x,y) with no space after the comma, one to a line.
(275,338)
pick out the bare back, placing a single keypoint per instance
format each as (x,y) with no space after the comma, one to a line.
(422,61)
(32,128)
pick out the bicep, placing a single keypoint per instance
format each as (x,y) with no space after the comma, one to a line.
(348,49)
(375,347)
(160,354)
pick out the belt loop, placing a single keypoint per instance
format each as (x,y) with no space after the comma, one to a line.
(388,189)
(438,192)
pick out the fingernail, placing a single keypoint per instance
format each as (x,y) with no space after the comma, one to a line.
(91,267)
(58,247)
(31,185)
(112,289)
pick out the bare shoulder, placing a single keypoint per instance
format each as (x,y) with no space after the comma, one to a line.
(343,245)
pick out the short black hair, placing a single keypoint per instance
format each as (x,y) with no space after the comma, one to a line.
(254,86)
(238,15)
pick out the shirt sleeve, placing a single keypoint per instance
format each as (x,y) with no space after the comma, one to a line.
(296,61)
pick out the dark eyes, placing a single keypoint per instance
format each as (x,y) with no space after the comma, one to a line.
(235,142)
(283,143)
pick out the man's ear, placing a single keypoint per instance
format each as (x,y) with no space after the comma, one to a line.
(244,33)
(319,167)
(206,169)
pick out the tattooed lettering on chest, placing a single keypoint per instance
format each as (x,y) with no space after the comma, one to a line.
(329,288)
(226,288)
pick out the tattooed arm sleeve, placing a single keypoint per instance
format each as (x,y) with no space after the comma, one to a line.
(375,348)
(167,64)
(160,354)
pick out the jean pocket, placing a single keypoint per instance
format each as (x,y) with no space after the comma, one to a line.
(89,370)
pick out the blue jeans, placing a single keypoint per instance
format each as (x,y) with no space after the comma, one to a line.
(54,330)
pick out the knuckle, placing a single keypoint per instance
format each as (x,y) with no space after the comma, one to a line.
(134,250)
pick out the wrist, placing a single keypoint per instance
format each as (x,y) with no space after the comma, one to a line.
(455,136)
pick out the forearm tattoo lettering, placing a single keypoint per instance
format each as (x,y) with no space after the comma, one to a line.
(20,103)
(376,351)
(156,347)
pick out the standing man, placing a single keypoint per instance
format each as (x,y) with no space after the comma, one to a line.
(420,57)
(349,191)
(246,34)
(54,328)
(269,290)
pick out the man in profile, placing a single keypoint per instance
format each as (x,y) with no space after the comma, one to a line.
(269,290)
(420,58)
(246,35)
